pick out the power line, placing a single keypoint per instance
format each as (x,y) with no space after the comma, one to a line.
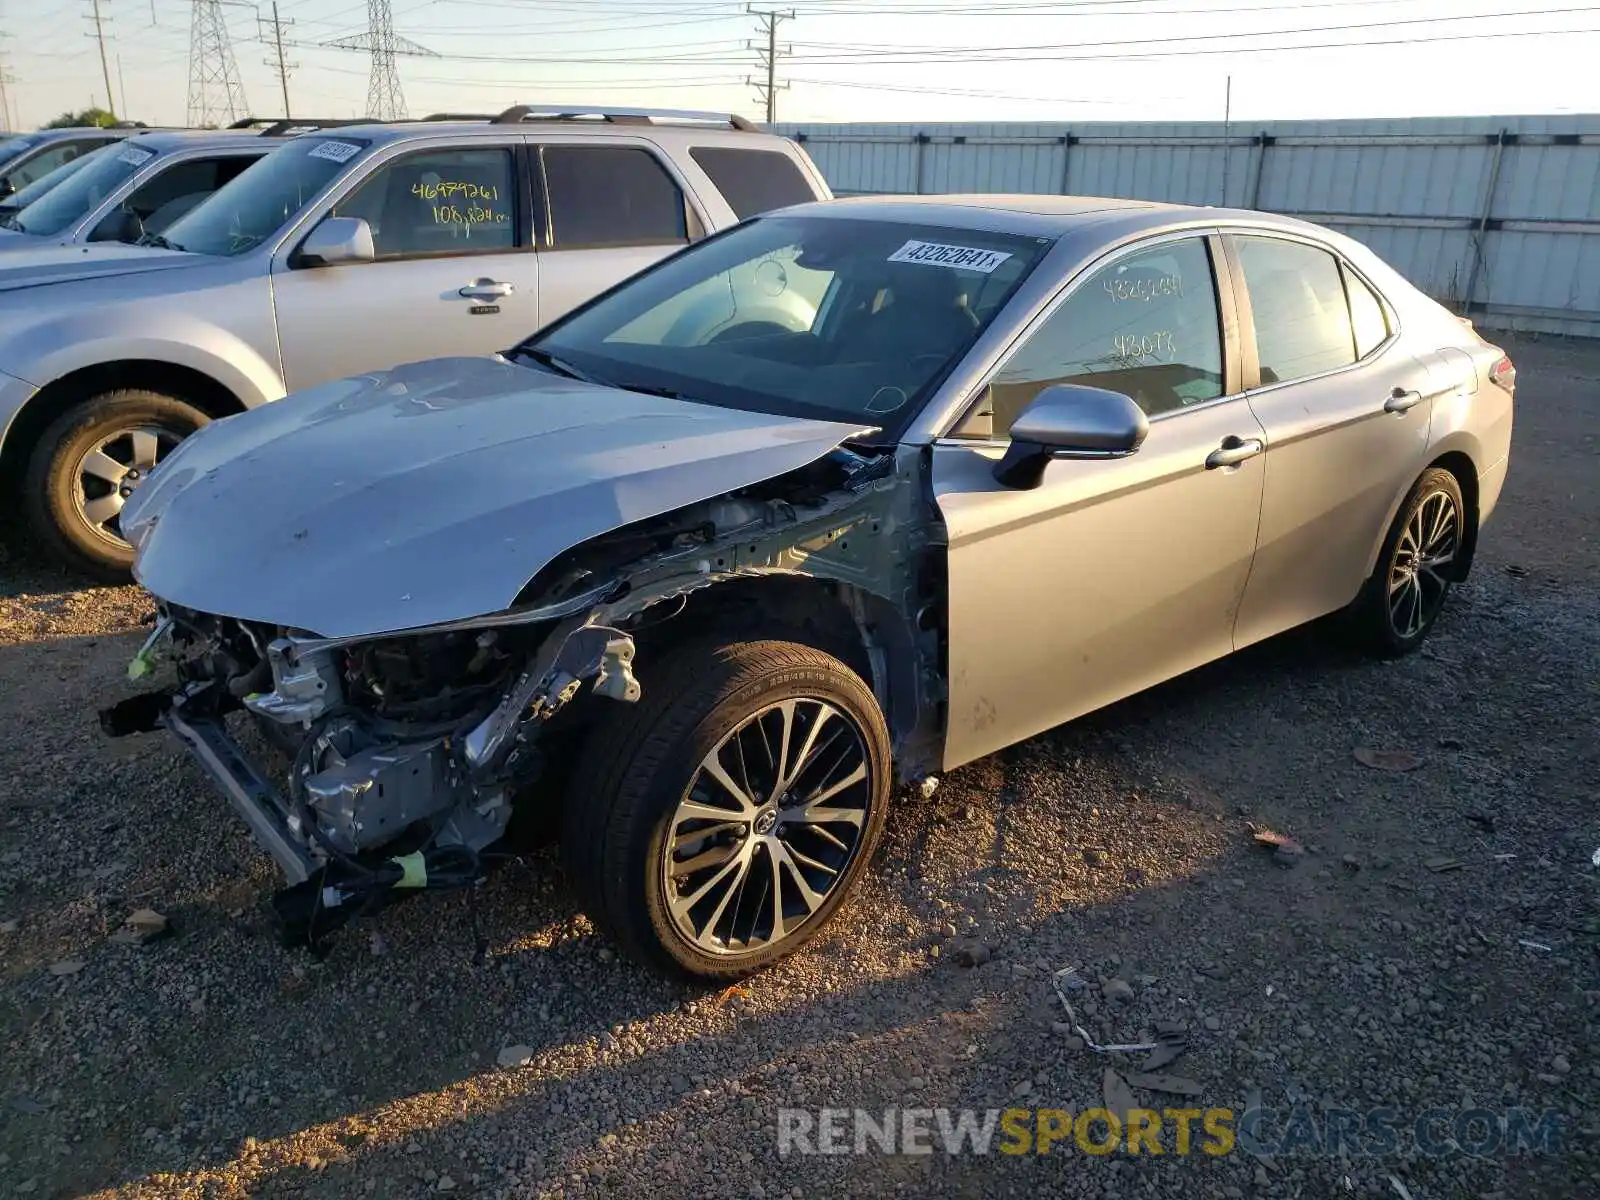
(276,61)
(767,56)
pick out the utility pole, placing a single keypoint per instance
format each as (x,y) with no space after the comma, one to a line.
(5,97)
(277,62)
(105,67)
(767,55)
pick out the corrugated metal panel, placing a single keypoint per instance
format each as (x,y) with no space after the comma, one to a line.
(1424,193)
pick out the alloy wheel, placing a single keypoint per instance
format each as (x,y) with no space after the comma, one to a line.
(1428,543)
(111,469)
(766,830)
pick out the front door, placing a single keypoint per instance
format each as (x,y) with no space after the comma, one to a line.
(453,272)
(1112,575)
(1346,412)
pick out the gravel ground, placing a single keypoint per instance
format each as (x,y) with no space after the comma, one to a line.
(1357,976)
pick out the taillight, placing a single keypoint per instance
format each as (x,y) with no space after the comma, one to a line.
(1504,374)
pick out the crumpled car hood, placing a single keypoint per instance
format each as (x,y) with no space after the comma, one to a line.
(431,492)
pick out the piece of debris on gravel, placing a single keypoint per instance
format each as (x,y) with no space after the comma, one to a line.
(218,1064)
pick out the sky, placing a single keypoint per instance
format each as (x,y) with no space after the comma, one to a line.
(843,60)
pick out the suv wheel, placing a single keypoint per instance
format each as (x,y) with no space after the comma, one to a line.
(86,465)
(715,826)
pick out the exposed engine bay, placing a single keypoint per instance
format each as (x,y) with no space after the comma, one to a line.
(409,752)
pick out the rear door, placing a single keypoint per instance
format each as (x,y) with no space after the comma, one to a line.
(1346,412)
(607,211)
(454,271)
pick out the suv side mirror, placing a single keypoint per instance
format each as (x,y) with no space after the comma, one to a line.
(337,240)
(1068,420)
(123,225)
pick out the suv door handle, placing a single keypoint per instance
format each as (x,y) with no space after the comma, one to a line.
(486,289)
(1400,400)
(1233,451)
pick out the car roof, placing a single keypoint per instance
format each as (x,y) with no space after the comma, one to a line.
(1051,216)
(204,139)
(592,120)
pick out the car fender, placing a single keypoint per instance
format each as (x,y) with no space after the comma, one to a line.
(1455,439)
(45,351)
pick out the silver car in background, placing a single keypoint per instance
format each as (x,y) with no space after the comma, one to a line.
(124,191)
(702,583)
(343,251)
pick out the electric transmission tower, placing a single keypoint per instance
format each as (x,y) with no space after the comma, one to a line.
(767,55)
(216,96)
(385,99)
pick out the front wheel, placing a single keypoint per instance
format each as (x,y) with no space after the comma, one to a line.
(717,824)
(1408,587)
(86,465)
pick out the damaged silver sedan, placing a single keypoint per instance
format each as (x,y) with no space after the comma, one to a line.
(853,492)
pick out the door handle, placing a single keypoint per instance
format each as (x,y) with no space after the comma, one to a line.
(1233,451)
(1400,400)
(486,289)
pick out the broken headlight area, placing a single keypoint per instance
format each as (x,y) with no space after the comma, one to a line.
(406,752)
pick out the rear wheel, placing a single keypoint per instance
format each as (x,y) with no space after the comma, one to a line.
(86,465)
(1408,587)
(717,824)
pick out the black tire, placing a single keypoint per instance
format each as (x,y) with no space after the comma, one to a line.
(1373,620)
(53,493)
(640,761)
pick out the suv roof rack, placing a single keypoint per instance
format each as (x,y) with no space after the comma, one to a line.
(452,116)
(618,116)
(279,126)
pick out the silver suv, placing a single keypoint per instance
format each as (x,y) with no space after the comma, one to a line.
(123,191)
(340,253)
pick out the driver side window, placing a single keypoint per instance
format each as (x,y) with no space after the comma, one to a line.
(1146,325)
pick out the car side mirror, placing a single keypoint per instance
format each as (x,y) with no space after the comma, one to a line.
(1068,420)
(337,240)
(7,188)
(123,225)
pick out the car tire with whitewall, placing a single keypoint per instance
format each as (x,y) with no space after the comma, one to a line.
(86,464)
(1402,599)
(715,825)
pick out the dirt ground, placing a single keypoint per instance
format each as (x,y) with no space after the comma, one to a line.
(1438,948)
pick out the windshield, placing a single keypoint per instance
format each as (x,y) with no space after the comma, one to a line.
(21,199)
(247,211)
(806,316)
(63,204)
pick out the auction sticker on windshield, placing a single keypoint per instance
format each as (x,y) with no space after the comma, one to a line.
(337,151)
(133,155)
(936,254)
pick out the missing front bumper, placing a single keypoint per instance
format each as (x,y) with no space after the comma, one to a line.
(253,798)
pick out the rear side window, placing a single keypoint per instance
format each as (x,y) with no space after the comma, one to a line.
(1297,303)
(1366,315)
(753,181)
(611,196)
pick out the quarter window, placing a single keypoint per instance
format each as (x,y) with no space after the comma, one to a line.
(1297,304)
(1147,326)
(440,202)
(753,181)
(611,196)
(1366,315)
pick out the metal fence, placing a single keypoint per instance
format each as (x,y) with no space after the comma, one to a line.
(1499,218)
